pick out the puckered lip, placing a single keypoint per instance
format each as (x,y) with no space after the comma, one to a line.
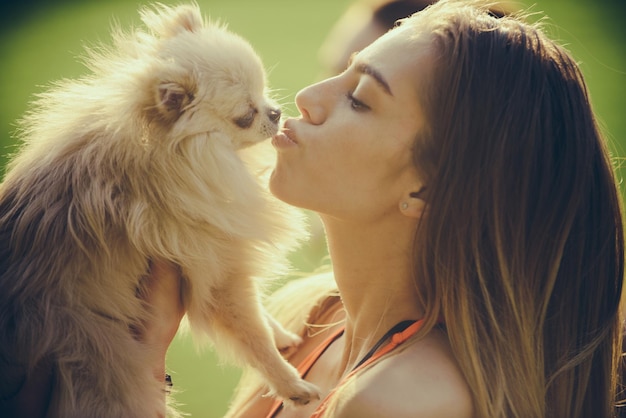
(287,129)
(286,137)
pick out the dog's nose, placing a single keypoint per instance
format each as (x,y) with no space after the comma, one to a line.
(274,115)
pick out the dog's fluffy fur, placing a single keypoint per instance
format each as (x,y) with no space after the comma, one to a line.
(133,163)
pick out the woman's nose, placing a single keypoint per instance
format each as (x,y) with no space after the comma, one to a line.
(310,103)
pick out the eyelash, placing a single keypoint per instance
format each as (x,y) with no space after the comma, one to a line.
(356,104)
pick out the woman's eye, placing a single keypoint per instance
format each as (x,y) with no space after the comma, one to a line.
(356,104)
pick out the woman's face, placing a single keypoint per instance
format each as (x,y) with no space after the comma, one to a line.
(349,153)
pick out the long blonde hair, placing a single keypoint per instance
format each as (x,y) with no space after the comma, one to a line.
(522,248)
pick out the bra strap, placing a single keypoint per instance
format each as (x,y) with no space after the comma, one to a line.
(399,327)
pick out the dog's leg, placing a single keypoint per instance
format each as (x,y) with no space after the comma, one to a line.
(284,340)
(238,318)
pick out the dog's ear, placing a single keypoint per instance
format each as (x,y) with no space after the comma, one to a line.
(167,22)
(171,100)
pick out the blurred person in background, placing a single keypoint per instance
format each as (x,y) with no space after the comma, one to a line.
(365,21)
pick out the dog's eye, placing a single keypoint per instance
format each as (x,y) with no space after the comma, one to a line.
(246,120)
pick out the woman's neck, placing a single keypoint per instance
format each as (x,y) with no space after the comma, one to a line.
(373,269)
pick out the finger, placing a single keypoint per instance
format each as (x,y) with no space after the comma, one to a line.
(164,289)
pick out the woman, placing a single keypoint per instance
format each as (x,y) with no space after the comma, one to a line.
(473,224)
(462,182)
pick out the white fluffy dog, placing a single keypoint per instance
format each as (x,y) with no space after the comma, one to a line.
(138,162)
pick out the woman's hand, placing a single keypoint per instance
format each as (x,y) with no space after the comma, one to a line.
(162,295)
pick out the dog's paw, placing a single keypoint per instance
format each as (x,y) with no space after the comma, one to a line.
(286,341)
(300,393)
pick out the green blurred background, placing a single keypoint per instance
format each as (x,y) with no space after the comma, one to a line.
(40,40)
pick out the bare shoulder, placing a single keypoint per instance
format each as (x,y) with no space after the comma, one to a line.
(423,380)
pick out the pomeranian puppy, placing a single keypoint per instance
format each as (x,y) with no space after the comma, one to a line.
(139,161)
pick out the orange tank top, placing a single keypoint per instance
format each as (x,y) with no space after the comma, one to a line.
(397,338)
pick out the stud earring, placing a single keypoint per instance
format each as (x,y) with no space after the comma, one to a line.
(405,205)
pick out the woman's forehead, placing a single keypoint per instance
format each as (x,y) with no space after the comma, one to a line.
(402,52)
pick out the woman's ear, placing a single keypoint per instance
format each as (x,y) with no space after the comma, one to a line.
(414,204)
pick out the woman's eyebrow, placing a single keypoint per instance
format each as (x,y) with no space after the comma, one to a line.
(372,72)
